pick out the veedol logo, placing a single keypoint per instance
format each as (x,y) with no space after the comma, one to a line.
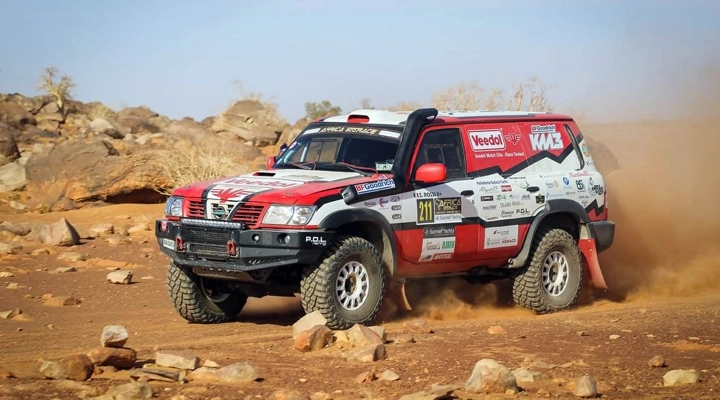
(486,140)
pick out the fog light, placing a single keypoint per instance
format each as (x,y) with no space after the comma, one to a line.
(255,238)
(284,239)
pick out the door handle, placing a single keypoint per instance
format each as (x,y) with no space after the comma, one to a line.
(467,192)
(533,189)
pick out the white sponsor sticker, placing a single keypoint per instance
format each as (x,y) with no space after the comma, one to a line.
(168,244)
(313,130)
(376,186)
(486,140)
(503,236)
(391,134)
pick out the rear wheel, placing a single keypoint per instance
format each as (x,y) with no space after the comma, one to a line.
(554,277)
(348,286)
(201,300)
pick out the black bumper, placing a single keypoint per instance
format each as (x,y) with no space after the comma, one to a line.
(237,249)
(604,233)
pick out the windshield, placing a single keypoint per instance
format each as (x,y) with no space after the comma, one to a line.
(332,148)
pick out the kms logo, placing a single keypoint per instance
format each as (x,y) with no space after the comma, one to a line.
(545,137)
(486,140)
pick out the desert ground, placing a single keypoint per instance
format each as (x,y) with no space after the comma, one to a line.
(663,301)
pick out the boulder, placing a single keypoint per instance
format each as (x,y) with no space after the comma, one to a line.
(12,177)
(8,147)
(251,121)
(15,115)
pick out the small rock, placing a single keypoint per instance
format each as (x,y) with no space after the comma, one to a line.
(132,390)
(138,228)
(314,338)
(238,373)
(489,376)
(5,274)
(60,233)
(365,377)
(497,330)
(320,396)
(113,336)
(614,337)
(680,377)
(102,229)
(287,394)
(308,321)
(39,252)
(177,359)
(582,333)
(360,335)
(120,358)
(10,248)
(369,353)
(418,326)
(63,270)
(71,256)
(586,387)
(149,374)
(10,314)
(523,375)
(13,285)
(6,374)
(657,362)
(210,364)
(694,338)
(388,375)
(120,277)
(380,331)
(404,338)
(61,301)
(76,367)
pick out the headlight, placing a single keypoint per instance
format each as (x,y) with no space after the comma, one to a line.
(173,206)
(288,215)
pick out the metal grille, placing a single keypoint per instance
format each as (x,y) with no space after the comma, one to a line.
(209,249)
(249,213)
(203,235)
(196,209)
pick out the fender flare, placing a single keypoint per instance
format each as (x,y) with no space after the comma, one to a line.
(342,217)
(551,207)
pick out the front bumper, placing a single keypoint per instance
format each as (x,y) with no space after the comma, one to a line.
(229,247)
(604,233)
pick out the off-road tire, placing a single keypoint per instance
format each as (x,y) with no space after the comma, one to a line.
(528,290)
(191,302)
(318,284)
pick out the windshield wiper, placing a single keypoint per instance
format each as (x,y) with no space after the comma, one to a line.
(306,166)
(365,171)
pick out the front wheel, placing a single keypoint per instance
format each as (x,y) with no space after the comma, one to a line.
(201,300)
(348,286)
(554,277)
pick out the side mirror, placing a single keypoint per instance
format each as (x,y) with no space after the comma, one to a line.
(270,162)
(431,173)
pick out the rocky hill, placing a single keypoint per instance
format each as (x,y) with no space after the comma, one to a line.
(54,159)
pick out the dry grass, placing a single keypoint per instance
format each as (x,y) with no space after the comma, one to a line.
(191,162)
(471,95)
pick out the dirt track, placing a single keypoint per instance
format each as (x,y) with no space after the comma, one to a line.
(681,328)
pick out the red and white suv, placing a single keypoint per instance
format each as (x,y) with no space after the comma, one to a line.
(359,203)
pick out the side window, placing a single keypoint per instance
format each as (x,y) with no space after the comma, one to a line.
(576,146)
(318,150)
(442,146)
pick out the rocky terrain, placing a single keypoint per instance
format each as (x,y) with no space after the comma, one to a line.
(84,309)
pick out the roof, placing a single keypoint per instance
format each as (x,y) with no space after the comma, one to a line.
(385,117)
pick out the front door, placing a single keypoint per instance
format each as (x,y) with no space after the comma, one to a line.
(442,218)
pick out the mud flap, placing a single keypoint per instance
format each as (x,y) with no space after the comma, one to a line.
(396,293)
(589,252)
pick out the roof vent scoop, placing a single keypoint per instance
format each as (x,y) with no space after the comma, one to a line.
(358,119)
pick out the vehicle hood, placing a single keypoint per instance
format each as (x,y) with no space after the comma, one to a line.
(285,186)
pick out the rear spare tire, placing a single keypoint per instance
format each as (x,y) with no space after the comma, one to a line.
(348,286)
(201,300)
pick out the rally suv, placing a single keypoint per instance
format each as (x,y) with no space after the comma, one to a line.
(359,203)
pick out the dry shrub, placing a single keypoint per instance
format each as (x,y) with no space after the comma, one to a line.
(60,89)
(195,161)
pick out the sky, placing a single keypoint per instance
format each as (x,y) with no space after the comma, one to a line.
(610,59)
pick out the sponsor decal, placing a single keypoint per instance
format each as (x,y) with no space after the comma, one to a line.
(391,134)
(595,190)
(486,140)
(566,181)
(539,199)
(351,129)
(260,182)
(311,130)
(396,216)
(316,240)
(522,211)
(493,182)
(382,202)
(448,209)
(545,137)
(549,185)
(506,214)
(513,138)
(585,149)
(486,198)
(168,244)
(526,197)
(489,189)
(438,243)
(490,208)
(228,193)
(579,174)
(580,185)
(501,197)
(396,207)
(505,188)
(394,199)
(369,203)
(506,236)
(426,194)
(376,186)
